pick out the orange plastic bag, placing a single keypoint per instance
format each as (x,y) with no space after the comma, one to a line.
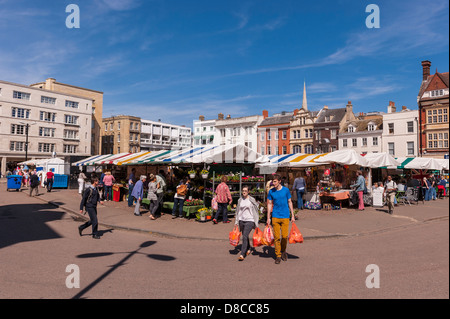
(295,236)
(235,236)
(257,237)
(267,238)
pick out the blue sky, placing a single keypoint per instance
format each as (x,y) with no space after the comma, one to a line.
(175,60)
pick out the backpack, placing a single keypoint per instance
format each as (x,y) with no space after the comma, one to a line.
(182,190)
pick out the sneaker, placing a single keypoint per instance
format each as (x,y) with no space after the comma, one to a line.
(278,260)
(241,258)
(214,221)
(284,256)
(174,216)
(227,222)
(96,236)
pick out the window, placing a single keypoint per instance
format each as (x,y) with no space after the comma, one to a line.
(46,148)
(71,104)
(438,140)
(47,116)
(364,141)
(344,143)
(391,149)
(269,150)
(351,129)
(48,100)
(71,119)
(297,149)
(277,135)
(21,95)
(410,127)
(309,149)
(295,134)
(371,127)
(70,149)
(17,129)
(20,113)
(375,141)
(284,134)
(333,134)
(410,147)
(284,149)
(354,142)
(71,134)
(391,128)
(436,93)
(269,138)
(17,146)
(118,126)
(46,132)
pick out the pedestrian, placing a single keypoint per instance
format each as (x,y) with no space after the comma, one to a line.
(49,177)
(427,189)
(247,218)
(390,189)
(178,199)
(223,198)
(34,183)
(433,182)
(138,194)
(101,186)
(81,182)
(91,197)
(151,195)
(300,188)
(108,181)
(162,185)
(279,211)
(360,186)
(131,182)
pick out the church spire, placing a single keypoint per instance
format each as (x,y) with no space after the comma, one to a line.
(305,101)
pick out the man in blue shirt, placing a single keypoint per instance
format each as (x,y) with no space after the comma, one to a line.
(279,211)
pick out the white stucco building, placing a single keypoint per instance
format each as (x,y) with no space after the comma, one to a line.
(156,136)
(52,122)
(400,132)
(204,132)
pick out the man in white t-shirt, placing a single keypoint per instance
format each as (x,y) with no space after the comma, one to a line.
(390,189)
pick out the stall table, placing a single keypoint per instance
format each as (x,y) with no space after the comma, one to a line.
(188,210)
(338,196)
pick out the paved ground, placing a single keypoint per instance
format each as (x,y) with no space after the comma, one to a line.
(312,224)
(38,240)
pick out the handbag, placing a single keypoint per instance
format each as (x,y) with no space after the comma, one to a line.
(267,238)
(257,237)
(214,204)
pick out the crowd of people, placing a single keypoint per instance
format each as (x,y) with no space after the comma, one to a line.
(32,179)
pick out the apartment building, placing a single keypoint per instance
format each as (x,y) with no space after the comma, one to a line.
(204,132)
(97,107)
(121,134)
(39,123)
(274,133)
(433,101)
(156,136)
(400,132)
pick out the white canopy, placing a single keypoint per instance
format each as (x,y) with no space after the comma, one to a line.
(377,160)
(424,163)
(236,153)
(42,161)
(343,157)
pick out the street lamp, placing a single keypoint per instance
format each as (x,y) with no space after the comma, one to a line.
(26,140)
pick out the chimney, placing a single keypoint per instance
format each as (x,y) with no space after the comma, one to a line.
(228,116)
(426,66)
(266,114)
(404,108)
(325,107)
(391,107)
(201,118)
(349,111)
(295,112)
(50,84)
(220,116)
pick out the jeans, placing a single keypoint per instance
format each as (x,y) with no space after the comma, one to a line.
(427,195)
(432,193)
(130,198)
(245,227)
(280,234)
(223,208)
(49,184)
(153,207)
(300,194)
(108,192)
(178,205)
(137,208)
(390,200)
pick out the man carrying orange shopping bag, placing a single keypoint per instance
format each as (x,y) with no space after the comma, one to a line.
(279,211)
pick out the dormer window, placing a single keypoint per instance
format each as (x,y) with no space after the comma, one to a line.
(351,129)
(371,127)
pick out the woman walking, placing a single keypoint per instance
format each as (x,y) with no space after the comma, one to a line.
(108,181)
(81,182)
(138,194)
(247,218)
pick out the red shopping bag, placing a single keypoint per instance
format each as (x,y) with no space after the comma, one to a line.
(235,236)
(257,237)
(295,236)
(267,238)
